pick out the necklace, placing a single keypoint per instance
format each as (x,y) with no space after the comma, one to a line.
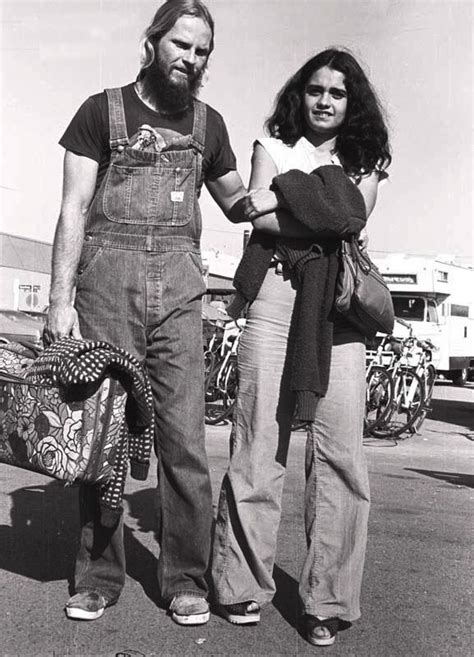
(162,113)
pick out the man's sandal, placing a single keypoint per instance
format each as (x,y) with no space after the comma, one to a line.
(322,632)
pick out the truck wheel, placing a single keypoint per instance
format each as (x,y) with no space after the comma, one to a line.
(460,377)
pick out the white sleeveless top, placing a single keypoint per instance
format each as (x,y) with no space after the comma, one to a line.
(301,156)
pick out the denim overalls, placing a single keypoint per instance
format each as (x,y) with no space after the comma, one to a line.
(139,286)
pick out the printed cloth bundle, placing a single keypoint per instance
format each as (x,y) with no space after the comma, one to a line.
(79,413)
(16,357)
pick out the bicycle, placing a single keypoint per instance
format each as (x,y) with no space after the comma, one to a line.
(379,385)
(409,395)
(222,379)
(427,371)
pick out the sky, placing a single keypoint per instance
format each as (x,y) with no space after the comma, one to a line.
(417,54)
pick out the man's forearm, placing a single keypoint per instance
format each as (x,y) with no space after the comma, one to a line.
(237,213)
(67,248)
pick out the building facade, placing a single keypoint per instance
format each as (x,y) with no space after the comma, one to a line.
(25,273)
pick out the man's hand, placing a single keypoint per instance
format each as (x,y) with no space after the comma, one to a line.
(259,201)
(62,321)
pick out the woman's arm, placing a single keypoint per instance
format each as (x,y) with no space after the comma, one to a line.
(262,204)
(368,186)
(263,207)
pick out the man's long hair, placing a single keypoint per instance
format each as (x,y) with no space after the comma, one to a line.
(164,20)
(362,140)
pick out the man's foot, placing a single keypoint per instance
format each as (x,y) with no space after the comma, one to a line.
(87,605)
(242,613)
(322,632)
(189,610)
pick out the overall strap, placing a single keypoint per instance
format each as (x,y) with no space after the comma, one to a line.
(117,124)
(199,126)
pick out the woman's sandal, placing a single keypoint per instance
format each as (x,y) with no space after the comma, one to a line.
(322,632)
(242,613)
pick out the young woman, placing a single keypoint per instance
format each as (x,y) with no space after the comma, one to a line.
(327,121)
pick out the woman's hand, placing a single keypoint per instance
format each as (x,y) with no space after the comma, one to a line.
(259,201)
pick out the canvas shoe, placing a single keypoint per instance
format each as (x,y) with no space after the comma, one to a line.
(86,605)
(188,609)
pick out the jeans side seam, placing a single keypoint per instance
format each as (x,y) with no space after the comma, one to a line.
(315,451)
(223,549)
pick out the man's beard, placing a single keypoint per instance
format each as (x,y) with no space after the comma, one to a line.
(168,95)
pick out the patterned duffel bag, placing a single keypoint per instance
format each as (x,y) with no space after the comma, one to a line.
(69,433)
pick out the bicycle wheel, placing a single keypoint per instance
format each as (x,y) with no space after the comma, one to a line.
(430,375)
(221,390)
(379,394)
(209,361)
(407,404)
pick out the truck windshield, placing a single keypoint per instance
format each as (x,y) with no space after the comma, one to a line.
(410,308)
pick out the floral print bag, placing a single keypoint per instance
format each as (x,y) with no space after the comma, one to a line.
(71,434)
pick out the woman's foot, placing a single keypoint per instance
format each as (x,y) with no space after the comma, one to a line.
(242,613)
(322,632)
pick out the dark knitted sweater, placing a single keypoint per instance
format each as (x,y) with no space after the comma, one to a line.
(327,202)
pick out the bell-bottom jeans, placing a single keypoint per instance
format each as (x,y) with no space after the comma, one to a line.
(336,499)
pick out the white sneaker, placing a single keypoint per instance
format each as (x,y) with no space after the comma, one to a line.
(87,605)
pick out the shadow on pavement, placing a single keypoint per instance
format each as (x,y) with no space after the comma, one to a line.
(451,477)
(286,597)
(42,541)
(453,412)
(141,563)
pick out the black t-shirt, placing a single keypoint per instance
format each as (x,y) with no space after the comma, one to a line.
(88,133)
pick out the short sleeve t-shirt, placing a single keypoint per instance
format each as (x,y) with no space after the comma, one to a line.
(88,133)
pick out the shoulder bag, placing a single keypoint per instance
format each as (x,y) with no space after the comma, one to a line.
(362,296)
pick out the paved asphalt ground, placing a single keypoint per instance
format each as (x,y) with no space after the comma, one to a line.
(418,579)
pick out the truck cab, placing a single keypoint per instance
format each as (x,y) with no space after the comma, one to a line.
(436,298)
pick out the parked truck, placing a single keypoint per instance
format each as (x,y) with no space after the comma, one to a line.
(435,296)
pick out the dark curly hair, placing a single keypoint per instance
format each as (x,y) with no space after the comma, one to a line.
(362,141)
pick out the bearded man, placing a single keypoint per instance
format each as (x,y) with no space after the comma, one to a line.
(127,270)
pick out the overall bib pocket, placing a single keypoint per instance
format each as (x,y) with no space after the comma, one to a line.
(160,195)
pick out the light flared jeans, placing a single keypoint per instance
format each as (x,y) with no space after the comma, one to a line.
(336,500)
